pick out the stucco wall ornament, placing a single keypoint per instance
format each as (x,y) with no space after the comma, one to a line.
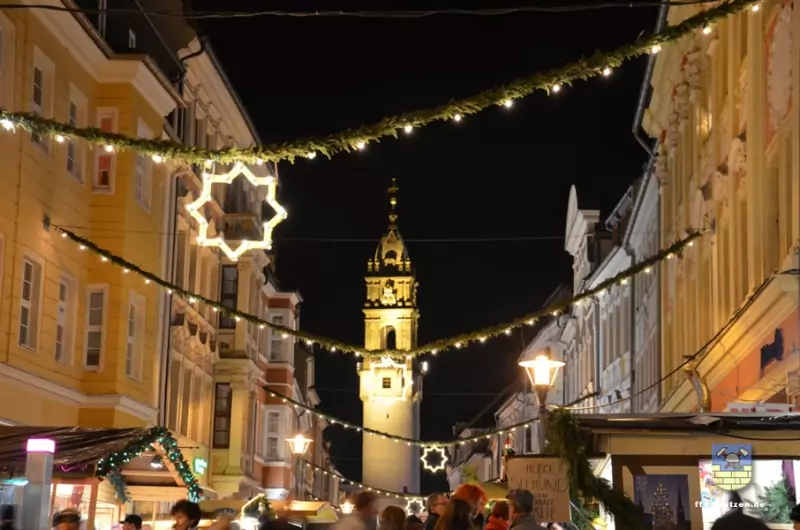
(673,129)
(660,168)
(779,72)
(737,161)
(683,104)
(696,66)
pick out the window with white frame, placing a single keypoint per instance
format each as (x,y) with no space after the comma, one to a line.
(37,106)
(134,348)
(105,160)
(30,302)
(76,117)
(95,325)
(65,320)
(7,59)
(272,436)
(223,403)
(143,172)
(229,296)
(276,340)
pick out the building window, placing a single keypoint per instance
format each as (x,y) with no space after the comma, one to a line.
(386,383)
(37,107)
(72,151)
(229,295)
(180,260)
(134,348)
(65,321)
(222,416)
(95,326)
(276,340)
(271,445)
(131,39)
(104,156)
(30,303)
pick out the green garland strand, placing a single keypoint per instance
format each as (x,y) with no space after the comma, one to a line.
(355,138)
(434,347)
(387,493)
(568,442)
(110,468)
(410,441)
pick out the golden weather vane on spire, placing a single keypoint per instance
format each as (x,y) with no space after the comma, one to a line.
(393,189)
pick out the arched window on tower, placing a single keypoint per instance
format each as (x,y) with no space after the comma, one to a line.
(389,339)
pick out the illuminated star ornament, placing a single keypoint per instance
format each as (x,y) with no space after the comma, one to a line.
(194,209)
(414,506)
(433,468)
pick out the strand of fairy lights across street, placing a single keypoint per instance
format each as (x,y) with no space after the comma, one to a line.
(452,343)
(357,138)
(387,493)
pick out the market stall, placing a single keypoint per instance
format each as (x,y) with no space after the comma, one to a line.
(95,471)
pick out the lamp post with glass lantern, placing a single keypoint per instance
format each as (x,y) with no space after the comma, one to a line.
(299,445)
(542,372)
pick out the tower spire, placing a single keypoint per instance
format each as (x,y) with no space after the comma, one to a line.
(393,189)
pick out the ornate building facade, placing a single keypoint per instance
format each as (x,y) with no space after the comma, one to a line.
(391,388)
(724,108)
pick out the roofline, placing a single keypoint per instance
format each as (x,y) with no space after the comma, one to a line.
(234,94)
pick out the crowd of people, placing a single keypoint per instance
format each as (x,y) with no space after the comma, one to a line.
(463,510)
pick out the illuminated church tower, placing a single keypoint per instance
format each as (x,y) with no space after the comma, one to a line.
(391,388)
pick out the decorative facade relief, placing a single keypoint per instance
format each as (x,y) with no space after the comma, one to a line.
(737,162)
(696,66)
(683,103)
(673,129)
(779,68)
(660,168)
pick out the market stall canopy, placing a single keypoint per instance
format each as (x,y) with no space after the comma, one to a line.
(311,511)
(75,446)
(222,505)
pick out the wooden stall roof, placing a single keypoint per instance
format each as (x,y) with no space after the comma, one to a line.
(75,446)
(771,434)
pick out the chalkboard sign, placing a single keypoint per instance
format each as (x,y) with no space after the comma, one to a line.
(546,478)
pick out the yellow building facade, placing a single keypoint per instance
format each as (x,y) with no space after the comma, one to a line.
(725,109)
(78,337)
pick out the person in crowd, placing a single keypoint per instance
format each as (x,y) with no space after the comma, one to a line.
(412,522)
(458,515)
(131,522)
(435,506)
(68,519)
(794,516)
(498,518)
(520,510)
(187,515)
(392,518)
(8,517)
(476,497)
(736,518)
(365,513)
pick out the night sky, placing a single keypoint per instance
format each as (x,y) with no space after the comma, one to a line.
(504,173)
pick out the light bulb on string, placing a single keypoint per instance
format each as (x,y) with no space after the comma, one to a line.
(408,129)
(707,30)
(508,103)
(8,125)
(655,49)
(457,117)
(606,71)
(755,8)
(158,159)
(361,145)
(311,155)
(109,148)
(59,139)
(556,88)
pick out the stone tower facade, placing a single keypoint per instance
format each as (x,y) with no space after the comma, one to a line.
(391,386)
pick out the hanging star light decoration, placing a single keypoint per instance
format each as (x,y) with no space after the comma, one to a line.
(433,468)
(209,178)
(414,505)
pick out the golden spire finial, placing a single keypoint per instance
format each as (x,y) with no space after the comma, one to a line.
(393,189)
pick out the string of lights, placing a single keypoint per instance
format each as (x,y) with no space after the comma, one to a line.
(357,138)
(433,348)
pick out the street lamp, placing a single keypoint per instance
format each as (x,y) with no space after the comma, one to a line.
(347,507)
(542,372)
(299,445)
